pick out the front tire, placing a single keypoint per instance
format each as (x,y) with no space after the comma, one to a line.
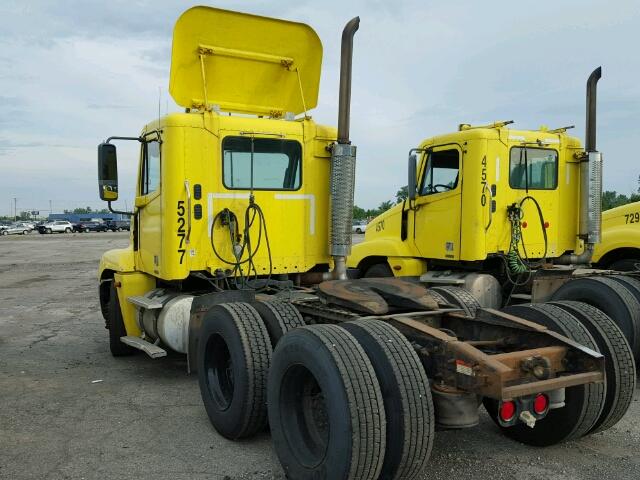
(234,355)
(67,230)
(378,270)
(116,326)
(625,265)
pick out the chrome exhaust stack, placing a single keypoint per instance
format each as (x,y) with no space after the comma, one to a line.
(590,182)
(343,165)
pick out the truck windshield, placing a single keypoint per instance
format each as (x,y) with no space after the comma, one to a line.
(533,168)
(261,163)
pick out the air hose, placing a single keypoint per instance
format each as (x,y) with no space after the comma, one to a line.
(516,264)
(242,245)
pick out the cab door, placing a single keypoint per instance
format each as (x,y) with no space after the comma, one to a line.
(149,207)
(438,204)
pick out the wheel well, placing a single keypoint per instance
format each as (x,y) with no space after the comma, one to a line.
(618,254)
(104,291)
(368,262)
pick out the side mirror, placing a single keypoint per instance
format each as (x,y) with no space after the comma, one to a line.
(411,185)
(107,172)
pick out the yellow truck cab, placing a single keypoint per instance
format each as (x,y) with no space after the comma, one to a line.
(477,189)
(620,246)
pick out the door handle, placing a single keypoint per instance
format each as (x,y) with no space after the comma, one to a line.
(486,187)
(186,186)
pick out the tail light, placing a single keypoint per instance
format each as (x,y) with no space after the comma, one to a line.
(507,411)
(540,404)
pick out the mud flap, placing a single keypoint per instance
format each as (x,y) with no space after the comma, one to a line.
(200,306)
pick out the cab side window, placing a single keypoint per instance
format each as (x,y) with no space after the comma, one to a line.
(441,172)
(150,178)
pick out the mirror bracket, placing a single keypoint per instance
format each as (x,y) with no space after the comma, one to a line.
(129,214)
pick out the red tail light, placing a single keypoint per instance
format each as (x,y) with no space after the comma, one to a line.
(540,403)
(507,411)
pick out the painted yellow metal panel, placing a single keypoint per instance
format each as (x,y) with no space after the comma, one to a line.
(244,63)
(117,260)
(130,285)
(407,267)
(620,229)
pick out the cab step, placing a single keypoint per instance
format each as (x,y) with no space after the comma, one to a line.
(146,303)
(150,349)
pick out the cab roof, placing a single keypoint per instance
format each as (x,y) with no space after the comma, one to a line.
(244,63)
(507,135)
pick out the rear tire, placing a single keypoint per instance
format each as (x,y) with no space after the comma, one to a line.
(612,298)
(116,326)
(378,270)
(619,365)
(406,394)
(279,318)
(583,403)
(325,406)
(460,297)
(234,355)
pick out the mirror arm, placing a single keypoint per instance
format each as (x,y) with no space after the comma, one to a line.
(118,211)
(139,139)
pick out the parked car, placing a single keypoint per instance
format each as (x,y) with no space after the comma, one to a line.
(57,226)
(14,229)
(118,225)
(90,227)
(358,228)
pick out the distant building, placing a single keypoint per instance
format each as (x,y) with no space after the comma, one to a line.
(86,217)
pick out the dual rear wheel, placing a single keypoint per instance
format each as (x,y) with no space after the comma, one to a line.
(588,408)
(349,401)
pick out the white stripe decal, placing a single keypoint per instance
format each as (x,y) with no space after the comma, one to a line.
(230,195)
(210,198)
(312,207)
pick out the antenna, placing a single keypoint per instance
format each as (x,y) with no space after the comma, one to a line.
(159,99)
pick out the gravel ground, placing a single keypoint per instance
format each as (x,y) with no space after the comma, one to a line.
(68,410)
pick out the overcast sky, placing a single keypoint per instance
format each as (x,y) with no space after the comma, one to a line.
(75,72)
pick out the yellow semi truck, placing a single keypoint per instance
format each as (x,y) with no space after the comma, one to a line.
(620,246)
(512,216)
(237,259)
